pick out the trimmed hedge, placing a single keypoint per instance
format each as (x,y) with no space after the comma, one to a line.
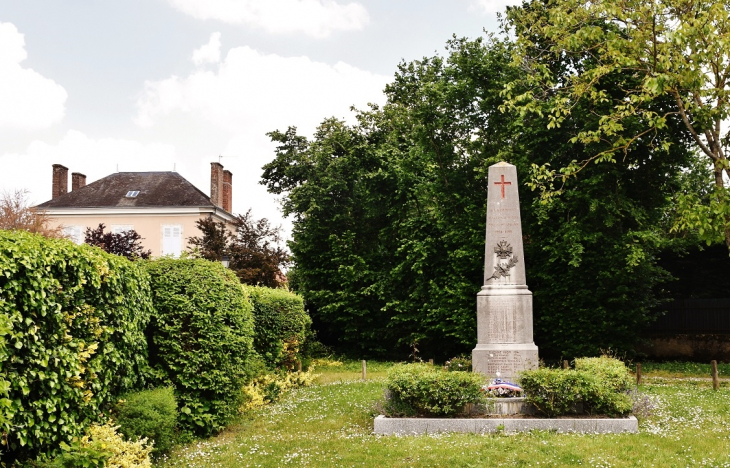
(281,324)
(597,386)
(200,339)
(77,316)
(150,414)
(425,390)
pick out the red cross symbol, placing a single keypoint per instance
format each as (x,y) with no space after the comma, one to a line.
(503,183)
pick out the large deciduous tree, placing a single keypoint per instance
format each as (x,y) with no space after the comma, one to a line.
(676,51)
(388,237)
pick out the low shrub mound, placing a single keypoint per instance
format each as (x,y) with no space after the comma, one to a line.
(425,390)
(200,339)
(150,414)
(73,323)
(596,386)
(280,324)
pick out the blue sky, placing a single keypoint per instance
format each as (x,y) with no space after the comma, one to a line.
(156,84)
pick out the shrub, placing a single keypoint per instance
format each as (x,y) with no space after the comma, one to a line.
(200,339)
(103,447)
(150,414)
(281,324)
(460,363)
(612,372)
(268,388)
(429,391)
(556,392)
(76,317)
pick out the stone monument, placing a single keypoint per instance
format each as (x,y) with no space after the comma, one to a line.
(504,305)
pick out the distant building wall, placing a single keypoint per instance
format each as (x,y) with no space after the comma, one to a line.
(162,234)
(691,329)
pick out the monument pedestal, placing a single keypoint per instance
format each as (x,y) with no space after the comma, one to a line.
(504,305)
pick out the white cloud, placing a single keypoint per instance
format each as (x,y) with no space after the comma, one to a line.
(210,52)
(317,18)
(492,6)
(96,158)
(27,99)
(253,92)
(231,107)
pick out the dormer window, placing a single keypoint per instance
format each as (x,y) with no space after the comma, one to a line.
(132,193)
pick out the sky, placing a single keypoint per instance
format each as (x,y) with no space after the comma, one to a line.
(160,85)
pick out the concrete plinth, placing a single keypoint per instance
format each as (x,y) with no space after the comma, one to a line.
(416,426)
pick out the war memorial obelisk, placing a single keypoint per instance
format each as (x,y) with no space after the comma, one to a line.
(504,305)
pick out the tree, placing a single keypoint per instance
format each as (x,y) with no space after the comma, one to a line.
(388,238)
(676,49)
(17,214)
(253,248)
(127,244)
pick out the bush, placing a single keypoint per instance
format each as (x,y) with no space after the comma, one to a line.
(612,372)
(460,363)
(268,388)
(76,317)
(103,447)
(420,389)
(150,414)
(200,339)
(557,392)
(281,325)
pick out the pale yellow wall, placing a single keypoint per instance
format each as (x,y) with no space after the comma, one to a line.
(149,227)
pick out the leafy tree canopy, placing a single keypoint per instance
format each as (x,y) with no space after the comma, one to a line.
(253,248)
(652,49)
(388,236)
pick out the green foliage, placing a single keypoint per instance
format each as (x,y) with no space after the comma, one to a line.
(460,363)
(612,372)
(388,214)
(73,318)
(253,250)
(597,386)
(429,391)
(150,414)
(655,51)
(280,323)
(200,339)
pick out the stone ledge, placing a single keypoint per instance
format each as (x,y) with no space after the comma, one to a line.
(416,426)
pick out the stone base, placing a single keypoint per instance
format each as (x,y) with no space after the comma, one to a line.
(508,406)
(415,426)
(507,359)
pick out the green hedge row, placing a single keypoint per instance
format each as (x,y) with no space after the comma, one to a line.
(281,324)
(200,339)
(76,319)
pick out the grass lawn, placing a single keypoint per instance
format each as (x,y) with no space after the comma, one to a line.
(330,424)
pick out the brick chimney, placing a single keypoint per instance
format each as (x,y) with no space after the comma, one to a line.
(60,181)
(78,180)
(216,184)
(227,190)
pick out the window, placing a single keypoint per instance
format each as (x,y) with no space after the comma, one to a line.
(74,234)
(172,240)
(132,193)
(121,228)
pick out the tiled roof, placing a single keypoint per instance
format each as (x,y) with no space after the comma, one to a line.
(156,189)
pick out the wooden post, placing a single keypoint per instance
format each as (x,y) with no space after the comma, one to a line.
(299,366)
(638,374)
(715,378)
(566,364)
(364,370)
(430,362)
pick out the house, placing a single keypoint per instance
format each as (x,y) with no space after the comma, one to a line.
(161,206)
